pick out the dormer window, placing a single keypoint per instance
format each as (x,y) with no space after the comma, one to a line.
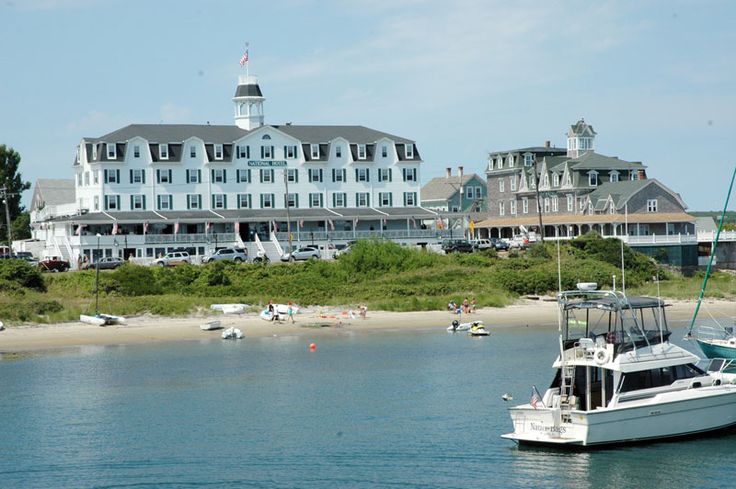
(314,151)
(593,179)
(528,159)
(192,151)
(614,176)
(512,161)
(338,151)
(94,152)
(79,156)
(266,136)
(556,180)
(111,151)
(651,205)
(409,151)
(500,162)
(384,151)
(218,151)
(163,151)
(136,151)
(361,151)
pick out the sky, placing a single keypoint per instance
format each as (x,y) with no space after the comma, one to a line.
(655,79)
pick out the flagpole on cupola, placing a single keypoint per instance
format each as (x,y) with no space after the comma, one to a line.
(244,58)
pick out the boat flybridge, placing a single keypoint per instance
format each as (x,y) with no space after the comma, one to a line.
(619,379)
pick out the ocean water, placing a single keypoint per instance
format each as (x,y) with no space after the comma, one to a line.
(368,410)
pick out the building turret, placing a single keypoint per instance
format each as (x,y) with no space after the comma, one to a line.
(248,102)
(580,138)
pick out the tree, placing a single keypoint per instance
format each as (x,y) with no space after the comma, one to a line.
(21,227)
(13,184)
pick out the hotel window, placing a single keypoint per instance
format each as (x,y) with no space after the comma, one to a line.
(582,204)
(94,152)
(194,201)
(614,176)
(362,175)
(315,200)
(525,205)
(243,151)
(512,183)
(136,151)
(528,159)
(478,192)
(163,176)
(501,185)
(545,181)
(499,162)
(385,199)
(138,176)
(410,174)
(409,151)
(111,151)
(266,176)
(554,204)
(219,175)
(339,199)
(192,151)
(339,175)
(362,199)
(410,199)
(218,151)
(511,161)
(291,200)
(556,180)
(137,202)
(338,151)
(292,175)
(315,174)
(86,178)
(194,176)
(651,205)
(361,151)
(164,202)
(111,176)
(266,152)
(611,208)
(384,151)
(546,205)
(570,203)
(219,201)
(243,175)
(512,207)
(593,179)
(501,209)
(532,182)
(163,151)
(244,201)
(96,176)
(266,201)
(97,202)
(290,152)
(314,151)
(468,192)
(384,174)
(112,202)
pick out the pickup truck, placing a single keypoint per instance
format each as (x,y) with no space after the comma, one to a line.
(53,264)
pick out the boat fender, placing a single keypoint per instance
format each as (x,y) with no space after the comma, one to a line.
(601,356)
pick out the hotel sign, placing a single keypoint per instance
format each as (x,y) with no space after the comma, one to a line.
(267,163)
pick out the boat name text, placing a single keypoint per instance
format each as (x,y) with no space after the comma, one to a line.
(548,429)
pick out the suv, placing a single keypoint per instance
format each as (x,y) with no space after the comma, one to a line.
(238,255)
(53,264)
(483,244)
(172,259)
(457,246)
(303,253)
(500,244)
(104,263)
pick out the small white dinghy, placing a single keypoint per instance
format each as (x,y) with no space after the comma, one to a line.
(2,326)
(232,333)
(458,326)
(101,319)
(229,308)
(211,325)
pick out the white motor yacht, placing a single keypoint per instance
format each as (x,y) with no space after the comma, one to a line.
(619,380)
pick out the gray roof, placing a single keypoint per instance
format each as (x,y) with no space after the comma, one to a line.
(443,188)
(323,134)
(707,224)
(249,90)
(579,127)
(173,133)
(622,191)
(590,160)
(53,191)
(532,149)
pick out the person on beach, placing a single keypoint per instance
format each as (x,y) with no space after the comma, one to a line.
(472,305)
(363,311)
(290,312)
(466,305)
(452,307)
(271,310)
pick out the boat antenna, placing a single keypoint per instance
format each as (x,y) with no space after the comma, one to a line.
(623,270)
(559,272)
(659,303)
(712,255)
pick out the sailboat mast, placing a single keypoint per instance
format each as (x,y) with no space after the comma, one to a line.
(712,255)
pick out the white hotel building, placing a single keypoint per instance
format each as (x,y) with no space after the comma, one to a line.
(146,189)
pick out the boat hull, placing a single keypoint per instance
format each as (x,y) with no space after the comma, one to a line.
(717,349)
(694,411)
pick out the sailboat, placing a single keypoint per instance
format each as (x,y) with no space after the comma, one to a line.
(100,319)
(718,341)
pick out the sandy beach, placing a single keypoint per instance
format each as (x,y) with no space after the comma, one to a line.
(312,322)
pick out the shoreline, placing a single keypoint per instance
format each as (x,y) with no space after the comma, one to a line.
(315,323)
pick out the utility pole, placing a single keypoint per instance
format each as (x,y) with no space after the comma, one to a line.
(5,195)
(288,217)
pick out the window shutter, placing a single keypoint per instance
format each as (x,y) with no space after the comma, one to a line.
(158,178)
(144,201)
(212,175)
(390,176)
(224,201)
(131,178)
(224,176)
(171,176)
(117,176)
(356,174)
(367,175)
(131,200)
(143,176)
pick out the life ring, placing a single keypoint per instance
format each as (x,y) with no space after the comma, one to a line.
(601,356)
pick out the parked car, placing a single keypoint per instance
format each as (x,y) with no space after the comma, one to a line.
(519,242)
(500,244)
(53,264)
(341,249)
(483,244)
(172,259)
(303,253)
(238,255)
(457,246)
(27,256)
(104,263)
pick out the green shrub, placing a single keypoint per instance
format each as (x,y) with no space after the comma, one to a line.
(22,273)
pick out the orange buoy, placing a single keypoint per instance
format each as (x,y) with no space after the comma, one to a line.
(313,346)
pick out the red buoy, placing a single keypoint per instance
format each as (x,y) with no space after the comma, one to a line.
(312,346)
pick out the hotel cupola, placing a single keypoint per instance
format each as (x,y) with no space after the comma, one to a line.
(580,138)
(248,102)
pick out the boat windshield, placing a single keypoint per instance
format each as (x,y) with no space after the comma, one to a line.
(611,317)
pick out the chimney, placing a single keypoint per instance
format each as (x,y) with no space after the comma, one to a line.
(642,175)
(547,144)
(449,172)
(460,172)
